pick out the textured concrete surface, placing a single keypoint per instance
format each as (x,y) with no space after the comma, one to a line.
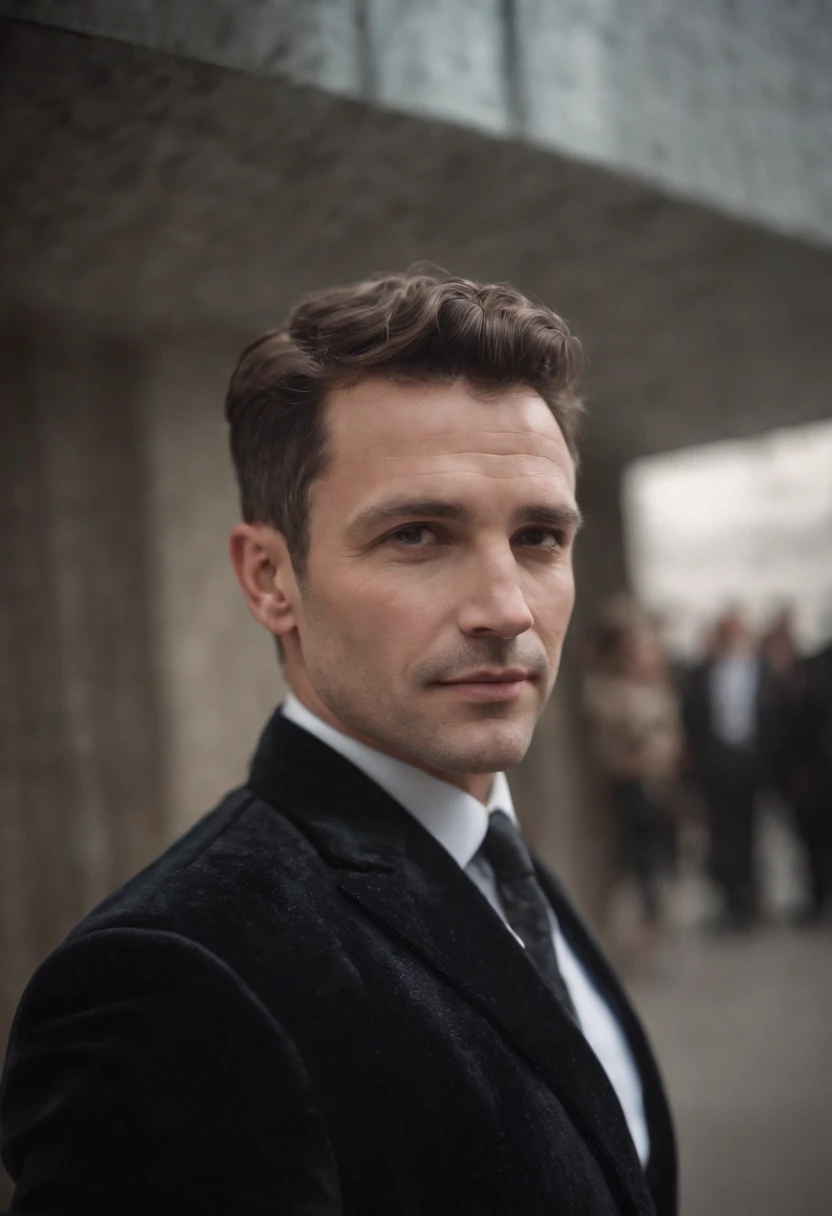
(742,1028)
(82,748)
(171,195)
(726,101)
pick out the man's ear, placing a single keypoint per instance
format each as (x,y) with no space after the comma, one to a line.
(264,570)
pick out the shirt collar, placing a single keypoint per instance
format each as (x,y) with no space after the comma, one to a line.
(457,820)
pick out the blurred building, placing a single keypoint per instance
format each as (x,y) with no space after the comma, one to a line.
(176,173)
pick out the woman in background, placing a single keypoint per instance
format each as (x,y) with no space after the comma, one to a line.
(635,727)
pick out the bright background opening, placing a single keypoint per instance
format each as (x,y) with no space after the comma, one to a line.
(747,522)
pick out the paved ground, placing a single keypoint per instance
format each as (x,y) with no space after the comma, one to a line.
(743,1026)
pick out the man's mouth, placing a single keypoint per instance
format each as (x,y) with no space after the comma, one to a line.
(491,685)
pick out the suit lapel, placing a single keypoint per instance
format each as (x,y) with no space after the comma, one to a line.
(430,906)
(662,1165)
(390,867)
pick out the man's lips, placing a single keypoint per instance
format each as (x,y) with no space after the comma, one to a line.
(510,676)
(490,685)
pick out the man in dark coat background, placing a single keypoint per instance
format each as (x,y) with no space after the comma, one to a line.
(724,720)
(814,812)
(351,989)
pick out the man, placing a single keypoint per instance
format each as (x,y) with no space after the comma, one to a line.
(349,989)
(813,804)
(796,715)
(723,718)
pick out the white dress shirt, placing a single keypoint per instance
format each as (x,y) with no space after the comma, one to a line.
(459,822)
(734,683)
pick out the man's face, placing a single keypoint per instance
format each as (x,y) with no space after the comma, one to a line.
(735,634)
(438,585)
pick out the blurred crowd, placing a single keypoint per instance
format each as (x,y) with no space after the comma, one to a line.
(706,742)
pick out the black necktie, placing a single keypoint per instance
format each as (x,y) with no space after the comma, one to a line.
(525,905)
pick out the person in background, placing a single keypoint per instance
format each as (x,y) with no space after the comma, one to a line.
(785,708)
(797,710)
(635,728)
(790,762)
(819,678)
(722,717)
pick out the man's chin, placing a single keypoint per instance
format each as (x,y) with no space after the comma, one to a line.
(484,748)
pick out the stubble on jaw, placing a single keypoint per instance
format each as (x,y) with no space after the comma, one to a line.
(442,748)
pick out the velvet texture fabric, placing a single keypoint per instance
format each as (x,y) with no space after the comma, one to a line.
(305,1006)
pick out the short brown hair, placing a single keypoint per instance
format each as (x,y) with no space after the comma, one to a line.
(420,328)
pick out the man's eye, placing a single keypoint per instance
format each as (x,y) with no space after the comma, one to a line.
(411,537)
(541,538)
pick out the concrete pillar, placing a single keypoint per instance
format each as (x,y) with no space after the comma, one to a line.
(219,673)
(82,804)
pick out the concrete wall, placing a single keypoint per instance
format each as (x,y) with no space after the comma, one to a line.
(167,194)
(219,672)
(724,101)
(83,797)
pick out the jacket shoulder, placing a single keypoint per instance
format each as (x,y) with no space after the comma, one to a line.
(242,854)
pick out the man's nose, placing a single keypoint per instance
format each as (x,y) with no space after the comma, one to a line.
(494,603)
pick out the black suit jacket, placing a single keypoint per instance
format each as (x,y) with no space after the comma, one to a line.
(305,1006)
(698,714)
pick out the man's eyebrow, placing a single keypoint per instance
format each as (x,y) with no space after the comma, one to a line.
(405,508)
(561,516)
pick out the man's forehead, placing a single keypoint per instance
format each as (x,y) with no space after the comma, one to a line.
(379,419)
